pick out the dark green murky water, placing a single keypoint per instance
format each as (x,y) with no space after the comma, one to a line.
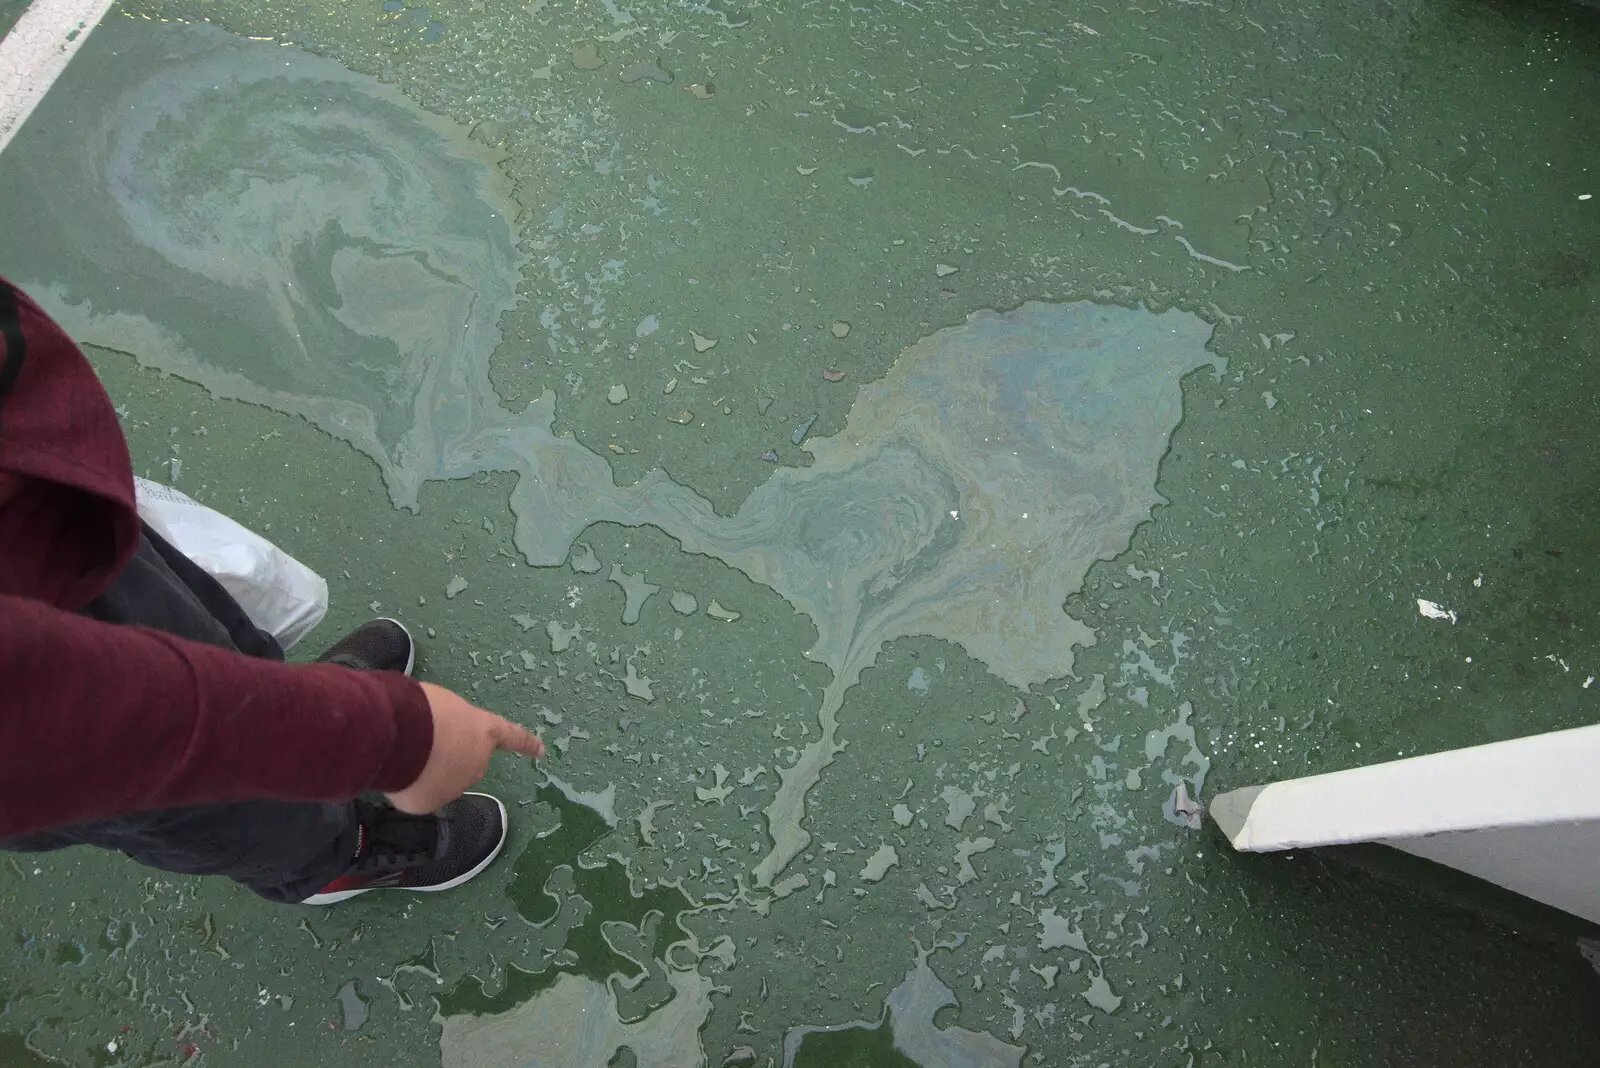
(367,276)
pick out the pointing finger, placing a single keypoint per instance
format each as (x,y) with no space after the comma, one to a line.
(516,739)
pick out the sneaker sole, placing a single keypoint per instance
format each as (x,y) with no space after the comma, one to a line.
(411,648)
(466,876)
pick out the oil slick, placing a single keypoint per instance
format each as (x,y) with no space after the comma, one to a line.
(908,1012)
(967,495)
(576,1024)
(964,499)
(235,213)
(911,520)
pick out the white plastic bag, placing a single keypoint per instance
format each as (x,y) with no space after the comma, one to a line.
(281,595)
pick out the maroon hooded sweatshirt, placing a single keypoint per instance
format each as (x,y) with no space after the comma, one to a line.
(99,719)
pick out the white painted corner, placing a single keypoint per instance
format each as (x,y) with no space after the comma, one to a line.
(36,51)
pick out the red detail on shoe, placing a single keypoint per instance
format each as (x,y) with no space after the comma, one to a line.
(352,881)
(347,881)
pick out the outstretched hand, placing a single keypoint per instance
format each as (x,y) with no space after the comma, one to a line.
(465,737)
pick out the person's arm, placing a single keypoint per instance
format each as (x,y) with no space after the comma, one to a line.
(98,719)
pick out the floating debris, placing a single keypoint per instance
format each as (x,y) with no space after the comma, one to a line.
(770,456)
(701,90)
(802,431)
(716,611)
(1185,808)
(1435,611)
(587,57)
(683,418)
(841,329)
(617,394)
(455,586)
(650,71)
(683,603)
(701,342)
(834,376)
(944,270)
(879,863)
(584,560)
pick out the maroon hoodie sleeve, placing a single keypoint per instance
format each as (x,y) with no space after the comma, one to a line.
(98,719)
(101,719)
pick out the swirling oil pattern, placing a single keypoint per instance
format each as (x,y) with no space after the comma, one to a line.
(305,238)
(286,232)
(966,497)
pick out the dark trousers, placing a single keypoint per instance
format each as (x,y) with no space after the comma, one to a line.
(284,851)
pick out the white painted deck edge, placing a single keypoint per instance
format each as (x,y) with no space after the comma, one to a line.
(36,51)
(1545,778)
(1557,864)
(1523,814)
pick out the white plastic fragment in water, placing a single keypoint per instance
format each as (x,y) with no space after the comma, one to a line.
(1434,611)
(1186,808)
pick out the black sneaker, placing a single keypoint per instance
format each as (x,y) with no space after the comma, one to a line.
(377,645)
(422,853)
